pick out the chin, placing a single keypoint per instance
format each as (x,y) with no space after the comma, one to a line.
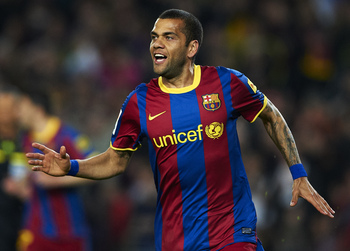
(158,71)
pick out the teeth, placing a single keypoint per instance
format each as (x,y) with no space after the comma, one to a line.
(159,56)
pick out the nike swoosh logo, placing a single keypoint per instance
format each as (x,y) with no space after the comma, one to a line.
(155,116)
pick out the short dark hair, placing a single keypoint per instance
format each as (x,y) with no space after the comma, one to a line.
(193,29)
(41,99)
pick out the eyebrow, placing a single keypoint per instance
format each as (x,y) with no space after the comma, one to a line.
(164,34)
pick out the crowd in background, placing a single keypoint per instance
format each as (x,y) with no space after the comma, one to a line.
(89,54)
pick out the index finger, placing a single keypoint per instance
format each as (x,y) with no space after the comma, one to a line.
(40,147)
(35,156)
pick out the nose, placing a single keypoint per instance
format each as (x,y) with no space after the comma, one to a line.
(157,43)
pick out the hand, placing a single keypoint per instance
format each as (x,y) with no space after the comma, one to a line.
(18,188)
(302,188)
(49,161)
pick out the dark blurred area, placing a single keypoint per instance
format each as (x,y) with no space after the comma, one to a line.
(88,55)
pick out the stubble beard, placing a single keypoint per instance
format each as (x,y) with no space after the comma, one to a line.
(171,70)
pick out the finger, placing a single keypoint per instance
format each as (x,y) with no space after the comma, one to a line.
(330,208)
(294,201)
(295,197)
(321,205)
(325,207)
(37,168)
(63,152)
(35,162)
(35,156)
(40,147)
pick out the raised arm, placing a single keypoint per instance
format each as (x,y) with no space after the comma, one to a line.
(102,166)
(281,135)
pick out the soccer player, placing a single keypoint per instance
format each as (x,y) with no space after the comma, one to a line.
(13,164)
(54,217)
(188,116)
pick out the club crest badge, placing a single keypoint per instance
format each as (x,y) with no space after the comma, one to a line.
(211,102)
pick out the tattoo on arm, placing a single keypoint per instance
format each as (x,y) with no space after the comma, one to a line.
(280,133)
(125,154)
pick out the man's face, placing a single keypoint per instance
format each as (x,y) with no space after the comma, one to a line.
(26,112)
(168,47)
(8,112)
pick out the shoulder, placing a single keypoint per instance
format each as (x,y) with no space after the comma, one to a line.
(221,70)
(68,131)
(236,73)
(75,139)
(137,96)
(144,87)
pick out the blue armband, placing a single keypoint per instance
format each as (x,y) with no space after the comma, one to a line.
(297,171)
(74,168)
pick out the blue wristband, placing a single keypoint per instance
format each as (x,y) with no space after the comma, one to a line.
(74,168)
(297,171)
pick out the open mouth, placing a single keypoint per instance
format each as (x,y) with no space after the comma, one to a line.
(159,58)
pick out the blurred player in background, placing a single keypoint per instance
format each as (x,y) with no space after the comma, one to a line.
(12,164)
(188,116)
(54,217)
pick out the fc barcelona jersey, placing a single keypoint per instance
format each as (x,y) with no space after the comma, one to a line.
(204,200)
(57,212)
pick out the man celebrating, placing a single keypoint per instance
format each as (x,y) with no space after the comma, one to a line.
(188,116)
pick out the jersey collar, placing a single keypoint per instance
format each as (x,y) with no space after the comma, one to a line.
(196,81)
(50,130)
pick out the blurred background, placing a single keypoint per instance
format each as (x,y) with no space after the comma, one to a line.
(89,54)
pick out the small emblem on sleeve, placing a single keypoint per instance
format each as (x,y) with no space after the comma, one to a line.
(211,102)
(252,86)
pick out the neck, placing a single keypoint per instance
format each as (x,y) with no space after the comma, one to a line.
(185,78)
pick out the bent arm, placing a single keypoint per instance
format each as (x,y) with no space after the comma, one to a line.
(105,165)
(280,133)
(102,166)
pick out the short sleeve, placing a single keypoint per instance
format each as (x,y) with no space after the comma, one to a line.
(246,98)
(127,129)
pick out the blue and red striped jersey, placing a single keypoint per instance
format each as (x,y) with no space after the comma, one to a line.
(57,212)
(204,200)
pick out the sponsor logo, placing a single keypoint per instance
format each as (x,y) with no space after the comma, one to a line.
(179,138)
(150,118)
(213,131)
(211,102)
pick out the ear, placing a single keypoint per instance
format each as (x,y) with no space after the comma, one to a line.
(192,48)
